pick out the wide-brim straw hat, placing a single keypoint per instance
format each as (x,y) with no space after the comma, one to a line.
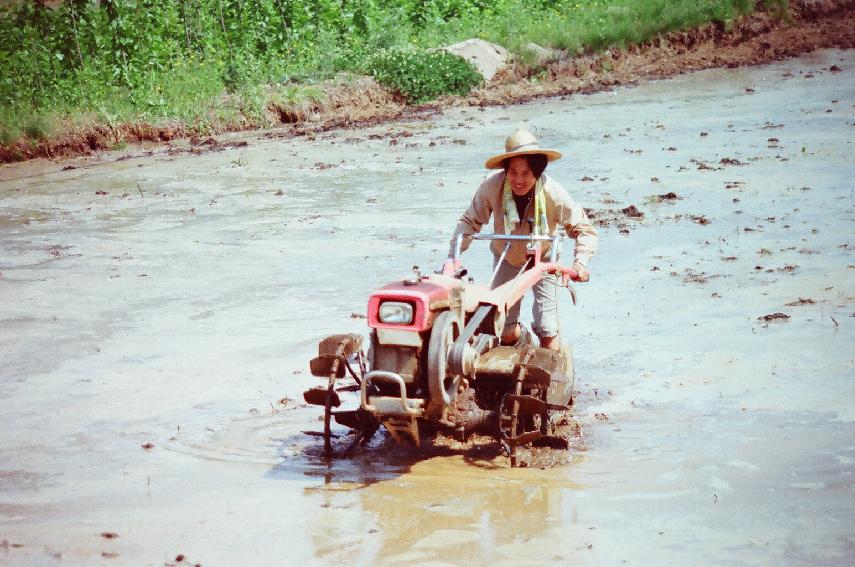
(520,143)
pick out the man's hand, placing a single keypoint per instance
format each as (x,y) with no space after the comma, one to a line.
(583,273)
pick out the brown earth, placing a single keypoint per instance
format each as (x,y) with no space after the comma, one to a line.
(758,38)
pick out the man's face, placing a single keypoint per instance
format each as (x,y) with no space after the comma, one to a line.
(520,175)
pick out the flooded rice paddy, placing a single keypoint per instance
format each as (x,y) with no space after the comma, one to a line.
(157,315)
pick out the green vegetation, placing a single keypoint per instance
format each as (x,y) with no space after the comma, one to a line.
(205,63)
(422,75)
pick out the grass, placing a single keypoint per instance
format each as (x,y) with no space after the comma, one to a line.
(591,26)
(218,92)
(295,95)
(9,127)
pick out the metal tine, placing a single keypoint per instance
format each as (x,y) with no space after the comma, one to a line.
(528,405)
(458,245)
(524,438)
(524,267)
(553,254)
(499,264)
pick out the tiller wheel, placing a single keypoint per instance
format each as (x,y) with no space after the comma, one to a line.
(524,413)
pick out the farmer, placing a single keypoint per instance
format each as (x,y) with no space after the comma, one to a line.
(522,200)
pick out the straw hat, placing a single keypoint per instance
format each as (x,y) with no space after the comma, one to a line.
(520,143)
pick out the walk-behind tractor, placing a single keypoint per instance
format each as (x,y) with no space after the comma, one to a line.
(434,362)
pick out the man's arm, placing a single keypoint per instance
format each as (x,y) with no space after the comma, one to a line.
(476,216)
(575,221)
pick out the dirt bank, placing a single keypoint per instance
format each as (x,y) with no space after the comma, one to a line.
(758,38)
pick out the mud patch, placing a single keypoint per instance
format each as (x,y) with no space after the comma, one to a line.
(486,449)
(669,197)
(801,301)
(774,317)
(621,218)
(6,545)
(694,277)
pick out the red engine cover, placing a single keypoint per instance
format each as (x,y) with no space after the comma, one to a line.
(420,294)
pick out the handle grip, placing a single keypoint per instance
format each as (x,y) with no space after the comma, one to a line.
(450,267)
(567,274)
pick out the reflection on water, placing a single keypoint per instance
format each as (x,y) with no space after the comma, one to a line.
(389,505)
(443,510)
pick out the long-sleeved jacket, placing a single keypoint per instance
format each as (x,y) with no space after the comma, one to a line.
(561,210)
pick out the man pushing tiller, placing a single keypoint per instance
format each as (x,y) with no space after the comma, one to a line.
(523,200)
(447,354)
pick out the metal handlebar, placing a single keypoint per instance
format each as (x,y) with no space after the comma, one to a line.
(531,238)
(388,377)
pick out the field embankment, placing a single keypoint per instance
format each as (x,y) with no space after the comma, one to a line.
(208,73)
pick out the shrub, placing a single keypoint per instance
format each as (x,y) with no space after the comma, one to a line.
(420,75)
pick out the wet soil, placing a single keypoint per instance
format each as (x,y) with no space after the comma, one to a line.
(360,102)
(157,316)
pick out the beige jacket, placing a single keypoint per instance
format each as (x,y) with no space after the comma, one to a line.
(561,210)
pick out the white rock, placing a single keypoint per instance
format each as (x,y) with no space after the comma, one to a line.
(542,54)
(487,57)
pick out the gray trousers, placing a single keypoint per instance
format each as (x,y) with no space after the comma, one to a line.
(544,310)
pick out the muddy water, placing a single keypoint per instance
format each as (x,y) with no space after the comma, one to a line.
(158,314)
